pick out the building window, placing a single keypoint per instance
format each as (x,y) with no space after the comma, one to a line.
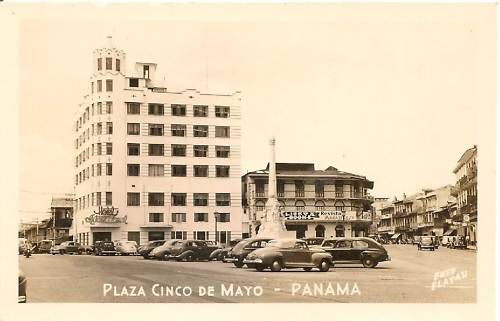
(178,110)
(133,128)
(117,64)
(98,169)
(223,199)
(320,230)
(155,217)
(200,170)
(201,217)
(221,131)
(178,218)
(339,192)
(200,150)
(222,111)
(200,131)
(259,188)
(280,188)
(259,206)
(339,206)
(178,199)
(300,206)
(109,169)
(133,82)
(156,236)
(319,189)
(109,85)
(178,235)
(155,109)
(133,108)
(99,128)
(109,128)
(109,148)
(133,149)
(299,189)
(109,107)
(156,170)
(222,151)
(133,169)
(109,198)
(156,150)
(200,199)
(200,111)
(98,199)
(109,62)
(320,206)
(156,129)
(224,217)
(99,108)
(99,86)
(133,199)
(179,170)
(178,150)
(178,130)
(200,235)
(221,171)
(99,63)
(156,199)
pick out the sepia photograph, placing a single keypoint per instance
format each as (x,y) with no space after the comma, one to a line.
(179,154)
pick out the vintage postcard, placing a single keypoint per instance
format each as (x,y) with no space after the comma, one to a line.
(265,155)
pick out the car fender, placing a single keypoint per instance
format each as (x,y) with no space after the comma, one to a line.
(318,257)
(215,253)
(373,255)
(186,253)
(269,258)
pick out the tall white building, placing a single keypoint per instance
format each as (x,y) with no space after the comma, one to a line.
(151,163)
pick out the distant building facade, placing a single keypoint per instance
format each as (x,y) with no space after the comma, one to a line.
(314,203)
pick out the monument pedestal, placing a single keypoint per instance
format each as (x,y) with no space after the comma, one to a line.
(273,226)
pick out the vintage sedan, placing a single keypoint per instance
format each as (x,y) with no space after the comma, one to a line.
(290,254)
(362,250)
(126,247)
(104,248)
(144,250)
(220,253)
(240,251)
(68,247)
(426,243)
(191,250)
(163,251)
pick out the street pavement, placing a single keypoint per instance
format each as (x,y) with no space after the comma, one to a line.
(442,276)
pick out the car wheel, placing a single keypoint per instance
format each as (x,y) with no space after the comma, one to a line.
(307,269)
(79,252)
(368,262)
(189,258)
(238,264)
(324,266)
(259,267)
(276,266)
(61,252)
(53,254)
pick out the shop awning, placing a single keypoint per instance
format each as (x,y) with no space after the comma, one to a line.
(451,232)
(395,236)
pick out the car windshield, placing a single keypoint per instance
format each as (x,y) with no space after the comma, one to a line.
(242,244)
(171,242)
(129,243)
(282,244)
(426,240)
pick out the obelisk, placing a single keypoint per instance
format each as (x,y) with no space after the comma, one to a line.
(272,225)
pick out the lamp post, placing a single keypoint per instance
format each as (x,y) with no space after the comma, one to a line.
(216,216)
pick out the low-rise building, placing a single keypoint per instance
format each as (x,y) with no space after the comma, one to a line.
(314,203)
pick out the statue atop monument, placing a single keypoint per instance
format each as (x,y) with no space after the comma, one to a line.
(273,225)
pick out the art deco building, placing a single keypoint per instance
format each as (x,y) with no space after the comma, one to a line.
(152,163)
(314,203)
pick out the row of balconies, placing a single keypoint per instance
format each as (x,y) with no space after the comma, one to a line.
(315,195)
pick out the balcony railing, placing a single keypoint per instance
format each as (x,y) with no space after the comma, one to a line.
(320,194)
(64,222)
(339,194)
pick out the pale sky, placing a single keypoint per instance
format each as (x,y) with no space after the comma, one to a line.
(389,94)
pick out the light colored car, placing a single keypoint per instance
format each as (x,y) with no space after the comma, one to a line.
(126,247)
(161,252)
(55,250)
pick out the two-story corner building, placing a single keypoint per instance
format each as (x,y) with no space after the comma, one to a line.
(59,225)
(430,218)
(466,193)
(314,203)
(152,163)
(386,228)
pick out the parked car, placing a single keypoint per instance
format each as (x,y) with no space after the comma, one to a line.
(145,249)
(220,253)
(104,248)
(191,250)
(362,250)
(163,251)
(126,247)
(427,243)
(242,249)
(21,281)
(69,247)
(314,240)
(289,254)
(54,250)
(43,246)
(87,249)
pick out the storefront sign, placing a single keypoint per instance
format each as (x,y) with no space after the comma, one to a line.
(106,215)
(327,216)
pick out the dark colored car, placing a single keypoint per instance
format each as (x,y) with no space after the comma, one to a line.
(310,241)
(362,250)
(220,253)
(69,247)
(21,288)
(427,242)
(289,254)
(240,251)
(145,249)
(191,250)
(104,248)
(42,246)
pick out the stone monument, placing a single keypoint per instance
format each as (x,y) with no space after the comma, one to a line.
(272,224)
